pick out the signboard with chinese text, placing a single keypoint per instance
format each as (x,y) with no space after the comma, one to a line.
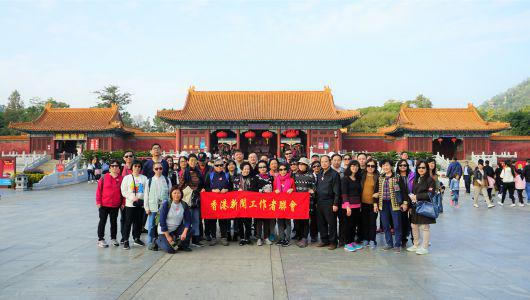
(254,205)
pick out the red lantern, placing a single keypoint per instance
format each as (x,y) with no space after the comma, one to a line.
(267,135)
(440,140)
(291,133)
(222,134)
(250,135)
(453,140)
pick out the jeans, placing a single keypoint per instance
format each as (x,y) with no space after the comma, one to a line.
(263,228)
(388,215)
(104,212)
(164,245)
(455,197)
(151,228)
(467,183)
(195,221)
(284,229)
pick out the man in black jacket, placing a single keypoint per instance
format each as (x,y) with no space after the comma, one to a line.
(328,193)
(218,181)
(488,170)
(467,172)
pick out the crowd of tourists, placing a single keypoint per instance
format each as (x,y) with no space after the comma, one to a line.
(160,196)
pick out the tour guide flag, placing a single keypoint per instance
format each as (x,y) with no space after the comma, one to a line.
(232,205)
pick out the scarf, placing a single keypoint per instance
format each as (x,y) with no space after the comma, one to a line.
(283,183)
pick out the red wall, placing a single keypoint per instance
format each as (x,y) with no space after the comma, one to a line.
(373,144)
(521,147)
(14,145)
(145,143)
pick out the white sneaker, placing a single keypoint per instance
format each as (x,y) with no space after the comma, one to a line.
(102,244)
(491,205)
(259,242)
(114,242)
(475,205)
(513,205)
(500,203)
(268,242)
(412,248)
(422,251)
(499,195)
(521,204)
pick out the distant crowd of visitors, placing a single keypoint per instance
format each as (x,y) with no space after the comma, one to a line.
(348,194)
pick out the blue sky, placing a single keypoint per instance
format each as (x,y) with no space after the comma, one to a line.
(454,52)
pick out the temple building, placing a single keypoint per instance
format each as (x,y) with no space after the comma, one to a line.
(259,121)
(452,132)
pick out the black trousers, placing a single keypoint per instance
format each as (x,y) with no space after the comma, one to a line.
(313,225)
(508,187)
(244,226)
(303,228)
(327,222)
(406,228)
(133,218)
(104,212)
(350,224)
(122,222)
(263,228)
(211,224)
(520,195)
(467,183)
(368,222)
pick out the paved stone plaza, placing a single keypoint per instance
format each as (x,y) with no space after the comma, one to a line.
(49,250)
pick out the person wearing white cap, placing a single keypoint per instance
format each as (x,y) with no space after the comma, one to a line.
(304,181)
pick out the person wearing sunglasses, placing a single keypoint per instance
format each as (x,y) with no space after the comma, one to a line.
(304,182)
(108,202)
(284,183)
(128,158)
(391,202)
(346,159)
(406,177)
(218,182)
(369,182)
(263,183)
(288,155)
(132,189)
(156,192)
(328,193)
(422,187)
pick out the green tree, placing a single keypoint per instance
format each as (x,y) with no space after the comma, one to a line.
(160,126)
(519,121)
(111,95)
(420,102)
(14,102)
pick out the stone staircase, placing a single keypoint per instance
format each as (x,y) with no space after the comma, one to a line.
(49,166)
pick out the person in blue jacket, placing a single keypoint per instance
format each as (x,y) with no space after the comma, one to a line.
(175,222)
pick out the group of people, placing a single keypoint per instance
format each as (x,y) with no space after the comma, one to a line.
(347,194)
(505,179)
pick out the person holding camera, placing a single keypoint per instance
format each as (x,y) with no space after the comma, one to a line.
(132,189)
(174,225)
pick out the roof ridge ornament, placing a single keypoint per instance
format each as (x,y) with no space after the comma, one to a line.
(191,89)
(327,89)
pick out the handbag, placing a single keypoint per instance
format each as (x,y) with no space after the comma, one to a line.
(427,208)
(187,193)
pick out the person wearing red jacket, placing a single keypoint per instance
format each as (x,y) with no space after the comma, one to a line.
(109,201)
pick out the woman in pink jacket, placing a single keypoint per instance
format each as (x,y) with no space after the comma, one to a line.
(520,185)
(108,202)
(284,183)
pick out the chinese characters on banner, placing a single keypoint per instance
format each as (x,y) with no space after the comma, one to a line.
(254,205)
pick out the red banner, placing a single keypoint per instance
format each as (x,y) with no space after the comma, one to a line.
(233,205)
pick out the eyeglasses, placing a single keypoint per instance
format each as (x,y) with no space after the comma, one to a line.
(422,168)
(370,166)
(316,166)
(158,169)
(114,166)
(128,156)
(283,169)
(262,167)
(403,165)
(137,166)
(288,153)
(218,165)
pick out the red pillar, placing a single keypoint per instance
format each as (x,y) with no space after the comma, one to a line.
(207,140)
(110,144)
(308,143)
(177,140)
(238,138)
(278,142)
